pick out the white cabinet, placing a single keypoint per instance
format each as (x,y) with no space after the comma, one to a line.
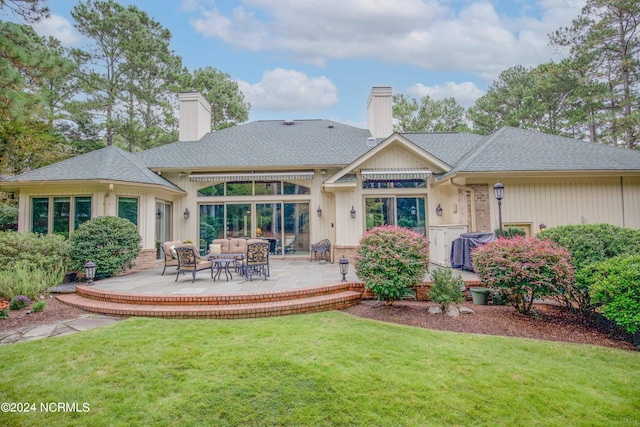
(440,238)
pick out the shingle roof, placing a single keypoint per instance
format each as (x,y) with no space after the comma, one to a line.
(109,163)
(265,144)
(514,149)
(449,147)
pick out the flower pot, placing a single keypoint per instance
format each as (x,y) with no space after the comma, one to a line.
(480,296)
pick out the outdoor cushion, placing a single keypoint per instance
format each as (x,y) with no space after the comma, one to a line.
(215,249)
(237,246)
(173,251)
(224,245)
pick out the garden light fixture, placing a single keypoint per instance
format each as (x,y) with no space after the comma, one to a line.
(499,192)
(344,268)
(90,271)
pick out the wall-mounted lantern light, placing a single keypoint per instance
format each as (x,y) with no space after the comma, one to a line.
(344,268)
(319,211)
(439,210)
(353,212)
(543,227)
(187,214)
(413,211)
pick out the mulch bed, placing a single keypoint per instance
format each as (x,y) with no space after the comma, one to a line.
(549,322)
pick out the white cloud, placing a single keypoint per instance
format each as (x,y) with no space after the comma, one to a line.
(465,93)
(289,90)
(60,28)
(426,33)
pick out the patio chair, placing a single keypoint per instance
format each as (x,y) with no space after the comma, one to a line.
(323,247)
(169,259)
(189,261)
(257,260)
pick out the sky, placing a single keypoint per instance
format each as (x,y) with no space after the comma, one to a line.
(303,59)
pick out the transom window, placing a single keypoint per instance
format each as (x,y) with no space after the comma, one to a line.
(253,188)
(400,183)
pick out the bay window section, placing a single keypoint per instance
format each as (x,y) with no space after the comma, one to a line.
(40,215)
(128,209)
(82,211)
(61,217)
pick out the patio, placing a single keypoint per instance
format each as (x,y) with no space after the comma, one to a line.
(295,286)
(286,275)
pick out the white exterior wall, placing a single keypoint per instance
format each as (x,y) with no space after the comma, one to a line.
(195,116)
(379,112)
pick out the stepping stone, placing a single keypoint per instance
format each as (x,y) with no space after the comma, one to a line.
(41,331)
(62,329)
(88,322)
(10,339)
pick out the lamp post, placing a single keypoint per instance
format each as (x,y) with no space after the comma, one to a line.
(499,192)
(344,268)
(90,271)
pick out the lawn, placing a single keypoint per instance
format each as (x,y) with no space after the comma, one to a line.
(319,369)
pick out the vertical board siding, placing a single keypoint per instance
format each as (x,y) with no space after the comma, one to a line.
(632,203)
(557,203)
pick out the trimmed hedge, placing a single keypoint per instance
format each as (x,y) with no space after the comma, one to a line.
(590,244)
(110,242)
(35,250)
(390,260)
(523,269)
(614,285)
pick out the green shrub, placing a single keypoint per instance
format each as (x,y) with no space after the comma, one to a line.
(390,260)
(29,280)
(38,306)
(4,313)
(511,232)
(614,285)
(523,269)
(111,242)
(590,244)
(38,250)
(8,217)
(19,302)
(446,288)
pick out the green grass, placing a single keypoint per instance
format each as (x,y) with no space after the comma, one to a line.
(321,369)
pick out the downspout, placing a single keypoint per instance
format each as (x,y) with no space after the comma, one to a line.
(622,199)
(473,201)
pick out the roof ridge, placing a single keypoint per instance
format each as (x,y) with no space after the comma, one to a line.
(475,152)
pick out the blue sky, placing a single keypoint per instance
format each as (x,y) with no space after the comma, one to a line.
(320,58)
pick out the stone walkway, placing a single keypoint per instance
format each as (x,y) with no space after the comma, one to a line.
(64,327)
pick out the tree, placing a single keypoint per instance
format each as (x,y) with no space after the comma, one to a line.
(228,107)
(25,62)
(430,115)
(129,71)
(606,34)
(29,10)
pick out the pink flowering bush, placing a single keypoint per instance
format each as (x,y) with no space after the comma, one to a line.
(524,269)
(390,260)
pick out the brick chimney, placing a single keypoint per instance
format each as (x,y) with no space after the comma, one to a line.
(195,116)
(379,112)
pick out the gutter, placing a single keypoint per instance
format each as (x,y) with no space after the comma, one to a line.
(473,201)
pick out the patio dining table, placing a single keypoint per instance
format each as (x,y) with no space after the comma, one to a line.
(221,262)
